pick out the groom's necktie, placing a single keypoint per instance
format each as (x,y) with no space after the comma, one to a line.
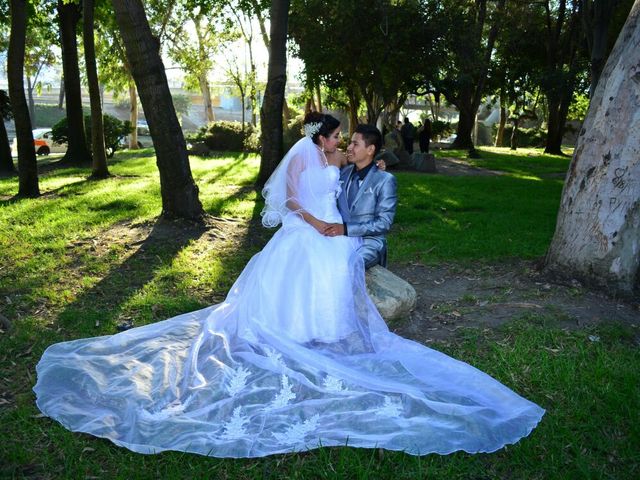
(354,186)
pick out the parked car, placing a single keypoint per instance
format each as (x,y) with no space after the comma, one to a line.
(43,143)
(143,128)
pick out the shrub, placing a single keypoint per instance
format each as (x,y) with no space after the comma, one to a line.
(252,142)
(114,130)
(224,135)
(292,132)
(441,129)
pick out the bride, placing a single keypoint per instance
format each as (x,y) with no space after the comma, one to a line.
(296,356)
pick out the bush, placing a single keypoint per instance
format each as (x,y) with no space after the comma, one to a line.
(252,142)
(114,130)
(440,129)
(224,135)
(292,132)
(527,137)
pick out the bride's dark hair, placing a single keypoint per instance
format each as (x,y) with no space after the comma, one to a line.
(328,124)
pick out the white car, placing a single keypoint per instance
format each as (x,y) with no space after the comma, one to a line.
(143,128)
(42,142)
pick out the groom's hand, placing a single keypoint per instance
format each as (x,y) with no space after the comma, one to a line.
(334,230)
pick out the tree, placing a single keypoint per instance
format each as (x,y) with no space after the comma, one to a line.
(196,57)
(6,162)
(602,20)
(273,102)
(179,191)
(563,63)
(41,36)
(469,43)
(244,24)
(99,168)
(115,71)
(598,228)
(518,63)
(27,166)
(77,151)
(239,78)
(375,62)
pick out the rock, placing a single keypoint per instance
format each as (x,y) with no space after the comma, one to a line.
(200,149)
(389,158)
(424,162)
(405,158)
(393,296)
(5,323)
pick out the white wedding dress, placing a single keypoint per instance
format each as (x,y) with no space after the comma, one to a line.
(295,358)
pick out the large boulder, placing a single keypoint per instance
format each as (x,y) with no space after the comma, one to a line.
(424,162)
(405,158)
(199,149)
(393,296)
(390,158)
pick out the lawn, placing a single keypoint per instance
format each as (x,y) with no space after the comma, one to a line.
(88,256)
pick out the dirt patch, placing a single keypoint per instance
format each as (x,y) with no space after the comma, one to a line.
(451,297)
(456,167)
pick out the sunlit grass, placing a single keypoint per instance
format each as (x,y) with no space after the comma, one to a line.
(525,163)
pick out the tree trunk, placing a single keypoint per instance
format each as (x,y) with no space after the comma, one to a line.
(271,111)
(178,190)
(597,235)
(513,144)
(61,93)
(319,97)
(6,162)
(354,104)
(244,104)
(77,150)
(27,166)
(206,97)
(555,128)
(285,111)
(503,121)
(309,106)
(133,115)
(374,105)
(252,88)
(99,169)
(602,10)
(466,120)
(32,104)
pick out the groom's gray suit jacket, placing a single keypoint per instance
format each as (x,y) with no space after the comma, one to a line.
(371,214)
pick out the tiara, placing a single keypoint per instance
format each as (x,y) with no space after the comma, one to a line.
(310,129)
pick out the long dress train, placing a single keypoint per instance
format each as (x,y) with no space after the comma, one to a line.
(296,357)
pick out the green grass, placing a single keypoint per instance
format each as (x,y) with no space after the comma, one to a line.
(526,163)
(479,217)
(72,265)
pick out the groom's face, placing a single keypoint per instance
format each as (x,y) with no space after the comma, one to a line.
(358,152)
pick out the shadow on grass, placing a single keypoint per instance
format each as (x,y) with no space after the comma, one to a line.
(103,302)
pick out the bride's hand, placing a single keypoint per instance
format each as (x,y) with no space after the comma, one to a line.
(320,226)
(334,230)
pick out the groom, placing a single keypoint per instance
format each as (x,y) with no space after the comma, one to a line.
(368,199)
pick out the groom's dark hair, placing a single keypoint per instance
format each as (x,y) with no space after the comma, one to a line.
(371,136)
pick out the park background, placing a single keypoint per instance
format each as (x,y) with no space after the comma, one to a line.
(89,257)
